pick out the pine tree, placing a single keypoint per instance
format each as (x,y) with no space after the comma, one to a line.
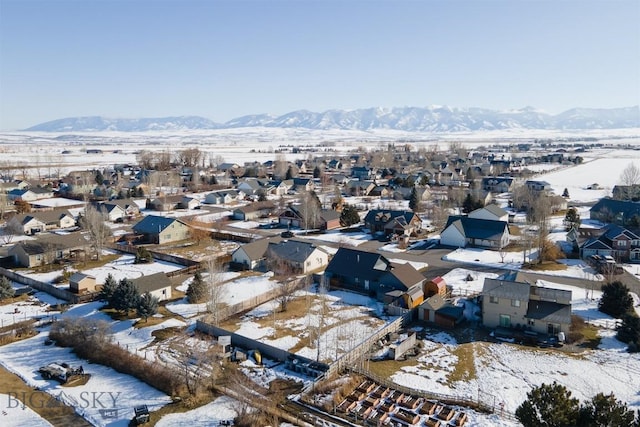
(6,290)
(571,219)
(126,296)
(147,306)
(414,200)
(629,331)
(468,205)
(565,193)
(108,289)
(549,406)
(197,290)
(615,300)
(349,216)
(143,256)
(605,411)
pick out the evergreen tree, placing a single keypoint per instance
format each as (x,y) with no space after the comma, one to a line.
(571,219)
(147,306)
(565,193)
(629,331)
(99,178)
(289,174)
(349,216)
(143,256)
(615,300)
(468,205)
(549,406)
(605,411)
(6,290)
(108,289)
(262,195)
(126,296)
(197,290)
(317,172)
(414,200)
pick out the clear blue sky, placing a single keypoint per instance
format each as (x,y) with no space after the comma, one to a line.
(223,59)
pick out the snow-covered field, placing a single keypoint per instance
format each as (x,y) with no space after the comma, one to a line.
(37,306)
(507,372)
(115,390)
(211,414)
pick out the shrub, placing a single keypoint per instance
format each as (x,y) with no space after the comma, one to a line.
(143,256)
(615,300)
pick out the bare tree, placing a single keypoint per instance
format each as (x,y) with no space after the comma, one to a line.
(280,166)
(145,159)
(630,175)
(311,210)
(189,157)
(216,290)
(95,222)
(12,228)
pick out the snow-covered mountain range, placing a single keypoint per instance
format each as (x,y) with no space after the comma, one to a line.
(410,119)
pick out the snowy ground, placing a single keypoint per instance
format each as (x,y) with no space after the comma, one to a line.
(346,239)
(347,319)
(508,372)
(13,413)
(221,409)
(115,390)
(122,267)
(234,291)
(37,306)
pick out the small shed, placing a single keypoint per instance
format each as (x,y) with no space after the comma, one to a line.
(81,283)
(435,286)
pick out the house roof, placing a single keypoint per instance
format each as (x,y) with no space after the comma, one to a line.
(153,224)
(475,228)
(256,206)
(383,216)
(628,209)
(47,242)
(292,250)
(78,277)
(433,303)
(551,312)
(355,263)
(613,231)
(517,276)
(495,210)
(506,289)
(407,274)
(48,217)
(152,282)
(255,250)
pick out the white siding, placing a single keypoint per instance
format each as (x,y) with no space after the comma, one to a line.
(452,237)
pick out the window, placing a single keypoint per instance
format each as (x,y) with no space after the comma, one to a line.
(493,300)
(515,303)
(622,243)
(531,322)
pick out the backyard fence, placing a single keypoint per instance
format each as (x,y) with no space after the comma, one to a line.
(52,290)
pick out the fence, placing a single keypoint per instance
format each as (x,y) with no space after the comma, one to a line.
(52,290)
(358,352)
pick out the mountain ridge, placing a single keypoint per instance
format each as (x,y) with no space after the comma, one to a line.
(437,119)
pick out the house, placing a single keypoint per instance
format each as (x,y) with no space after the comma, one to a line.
(295,257)
(49,248)
(359,188)
(159,230)
(252,256)
(119,209)
(299,216)
(490,212)
(497,184)
(370,273)
(362,173)
(538,186)
(513,301)
(615,241)
(224,197)
(619,212)
(626,192)
(188,202)
(82,283)
(436,309)
(392,222)
(435,286)
(166,203)
(254,210)
(34,222)
(157,284)
(462,231)
(250,186)
(30,194)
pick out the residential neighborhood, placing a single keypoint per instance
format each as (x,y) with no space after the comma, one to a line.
(327,266)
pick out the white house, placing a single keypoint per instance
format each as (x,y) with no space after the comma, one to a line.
(462,231)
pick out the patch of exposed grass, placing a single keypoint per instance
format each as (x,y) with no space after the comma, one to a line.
(386,368)
(465,369)
(165,333)
(546,265)
(151,321)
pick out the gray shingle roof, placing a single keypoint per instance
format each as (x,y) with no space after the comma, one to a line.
(352,262)
(506,289)
(474,228)
(291,250)
(153,224)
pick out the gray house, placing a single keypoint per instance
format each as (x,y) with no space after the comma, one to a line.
(462,231)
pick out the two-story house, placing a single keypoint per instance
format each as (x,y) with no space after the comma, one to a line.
(514,301)
(614,241)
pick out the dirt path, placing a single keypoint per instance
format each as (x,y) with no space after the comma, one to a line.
(58,414)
